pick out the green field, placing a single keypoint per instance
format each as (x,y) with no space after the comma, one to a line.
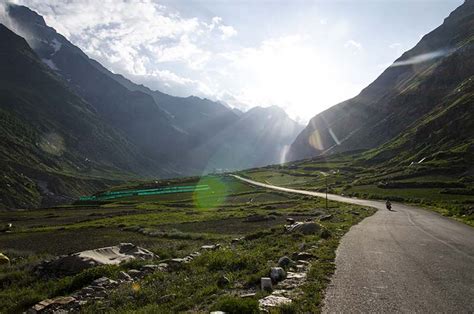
(445,185)
(171,226)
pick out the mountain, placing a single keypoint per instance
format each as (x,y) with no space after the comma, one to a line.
(133,112)
(263,135)
(164,128)
(414,100)
(53,143)
(70,126)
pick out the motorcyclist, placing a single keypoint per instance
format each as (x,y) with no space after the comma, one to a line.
(388,204)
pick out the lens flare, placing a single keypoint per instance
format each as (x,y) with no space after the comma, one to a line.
(212,197)
(315,140)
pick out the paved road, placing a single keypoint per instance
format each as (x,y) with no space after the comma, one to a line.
(408,260)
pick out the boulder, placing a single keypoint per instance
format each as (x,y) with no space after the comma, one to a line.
(304,227)
(277,274)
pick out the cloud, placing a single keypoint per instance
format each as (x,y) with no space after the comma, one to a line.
(352,44)
(134,37)
(227,31)
(423,57)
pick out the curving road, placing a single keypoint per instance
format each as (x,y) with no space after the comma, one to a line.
(409,260)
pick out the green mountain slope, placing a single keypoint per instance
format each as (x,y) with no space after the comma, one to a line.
(51,140)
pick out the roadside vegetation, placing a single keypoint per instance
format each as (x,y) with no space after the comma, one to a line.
(247,221)
(443,182)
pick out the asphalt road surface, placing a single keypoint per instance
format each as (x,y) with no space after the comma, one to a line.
(407,260)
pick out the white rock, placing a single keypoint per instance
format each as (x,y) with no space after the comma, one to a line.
(273,301)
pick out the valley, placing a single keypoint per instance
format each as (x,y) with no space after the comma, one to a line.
(116,197)
(174,226)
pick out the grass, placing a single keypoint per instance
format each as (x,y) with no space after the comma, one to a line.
(175,226)
(441,182)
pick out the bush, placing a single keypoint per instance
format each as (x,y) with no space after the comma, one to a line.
(235,305)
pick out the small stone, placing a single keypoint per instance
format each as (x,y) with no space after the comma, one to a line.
(277,274)
(134,273)
(284,261)
(101,281)
(176,262)
(290,220)
(210,247)
(87,290)
(124,276)
(97,288)
(150,268)
(195,254)
(236,240)
(303,256)
(266,284)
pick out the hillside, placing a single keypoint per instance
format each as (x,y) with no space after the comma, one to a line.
(402,97)
(52,141)
(164,128)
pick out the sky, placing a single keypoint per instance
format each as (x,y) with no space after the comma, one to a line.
(304,56)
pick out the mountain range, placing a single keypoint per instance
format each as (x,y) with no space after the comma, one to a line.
(419,106)
(69,126)
(101,127)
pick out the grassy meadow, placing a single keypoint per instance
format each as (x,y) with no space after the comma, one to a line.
(173,226)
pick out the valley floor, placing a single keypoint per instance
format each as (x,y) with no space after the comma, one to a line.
(247,221)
